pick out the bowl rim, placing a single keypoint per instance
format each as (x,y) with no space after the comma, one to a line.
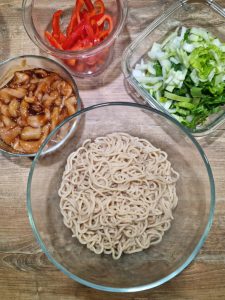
(37,39)
(193,253)
(11,59)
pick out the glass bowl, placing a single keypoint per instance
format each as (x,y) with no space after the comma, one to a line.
(189,13)
(192,217)
(37,16)
(26,62)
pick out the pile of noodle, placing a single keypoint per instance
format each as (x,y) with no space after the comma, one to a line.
(117,194)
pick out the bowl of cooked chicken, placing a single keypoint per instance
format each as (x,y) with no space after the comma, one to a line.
(36,95)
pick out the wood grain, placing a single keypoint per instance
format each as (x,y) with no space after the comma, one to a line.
(25,272)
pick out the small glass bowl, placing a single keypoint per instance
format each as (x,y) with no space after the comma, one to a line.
(192,217)
(26,62)
(37,15)
(198,13)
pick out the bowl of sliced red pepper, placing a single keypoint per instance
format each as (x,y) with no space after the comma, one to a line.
(81,33)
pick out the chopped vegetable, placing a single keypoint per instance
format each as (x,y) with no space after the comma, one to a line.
(186,74)
(56,32)
(89,25)
(52,40)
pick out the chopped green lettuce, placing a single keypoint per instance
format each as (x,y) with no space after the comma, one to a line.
(186,74)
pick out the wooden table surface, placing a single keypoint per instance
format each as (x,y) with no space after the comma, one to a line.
(25,272)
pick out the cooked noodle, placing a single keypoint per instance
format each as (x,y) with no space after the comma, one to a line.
(117,194)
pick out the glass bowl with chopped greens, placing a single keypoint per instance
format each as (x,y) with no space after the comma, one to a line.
(177,64)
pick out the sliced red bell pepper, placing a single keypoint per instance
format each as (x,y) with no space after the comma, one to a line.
(74,36)
(88,26)
(52,40)
(56,24)
(62,38)
(56,31)
(71,25)
(83,13)
(87,43)
(70,62)
(108,19)
(95,28)
(89,5)
(75,17)
(89,31)
(103,34)
(81,44)
(80,66)
(97,17)
(96,41)
(77,46)
(99,7)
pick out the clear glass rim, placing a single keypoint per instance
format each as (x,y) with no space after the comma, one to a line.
(68,54)
(197,247)
(5,62)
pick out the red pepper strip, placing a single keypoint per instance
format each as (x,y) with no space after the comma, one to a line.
(83,42)
(99,6)
(96,41)
(81,45)
(62,38)
(83,13)
(52,40)
(87,43)
(77,46)
(102,35)
(88,27)
(89,31)
(70,41)
(108,19)
(87,16)
(89,5)
(70,62)
(97,17)
(79,67)
(55,24)
(95,28)
(75,18)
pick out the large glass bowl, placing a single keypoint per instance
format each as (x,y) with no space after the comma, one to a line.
(37,15)
(192,217)
(189,13)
